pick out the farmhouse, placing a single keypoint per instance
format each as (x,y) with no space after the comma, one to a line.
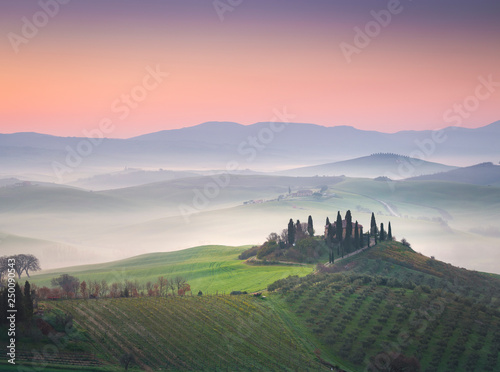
(344,224)
(302,193)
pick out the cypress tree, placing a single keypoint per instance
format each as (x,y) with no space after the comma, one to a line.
(382,232)
(389,232)
(21,314)
(361,237)
(356,236)
(291,232)
(298,231)
(348,231)
(327,221)
(373,225)
(310,228)
(329,241)
(348,225)
(3,306)
(28,301)
(339,231)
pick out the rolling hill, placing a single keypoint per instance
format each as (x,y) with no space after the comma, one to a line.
(129,178)
(120,223)
(210,269)
(481,174)
(391,306)
(392,166)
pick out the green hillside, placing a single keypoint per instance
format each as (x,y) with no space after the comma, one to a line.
(363,321)
(394,260)
(372,307)
(210,269)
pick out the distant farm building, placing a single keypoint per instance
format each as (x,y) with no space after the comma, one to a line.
(302,193)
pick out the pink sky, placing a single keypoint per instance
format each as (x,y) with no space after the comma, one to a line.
(67,78)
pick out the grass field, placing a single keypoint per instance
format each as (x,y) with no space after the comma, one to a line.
(210,269)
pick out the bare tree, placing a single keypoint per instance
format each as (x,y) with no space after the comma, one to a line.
(92,288)
(83,289)
(171,285)
(273,237)
(163,285)
(69,284)
(23,263)
(20,263)
(104,289)
(126,360)
(31,263)
(179,282)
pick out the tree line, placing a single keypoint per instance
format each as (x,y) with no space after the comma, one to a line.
(68,286)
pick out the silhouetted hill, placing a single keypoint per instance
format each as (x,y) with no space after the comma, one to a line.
(259,146)
(481,174)
(393,166)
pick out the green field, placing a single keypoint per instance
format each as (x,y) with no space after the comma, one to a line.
(210,269)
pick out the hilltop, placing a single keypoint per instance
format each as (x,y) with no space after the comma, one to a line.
(484,174)
(393,166)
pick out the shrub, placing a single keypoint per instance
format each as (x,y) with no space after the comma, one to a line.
(266,249)
(249,253)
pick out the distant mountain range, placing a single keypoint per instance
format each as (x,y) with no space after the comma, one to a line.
(392,166)
(261,146)
(481,174)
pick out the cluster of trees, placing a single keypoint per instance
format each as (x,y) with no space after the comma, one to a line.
(24,297)
(68,286)
(346,239)
(380,234)
(297,242)
(24,263)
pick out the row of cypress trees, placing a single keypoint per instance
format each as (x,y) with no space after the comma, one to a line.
(345,242)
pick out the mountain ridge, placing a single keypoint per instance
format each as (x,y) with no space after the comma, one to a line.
(261,146)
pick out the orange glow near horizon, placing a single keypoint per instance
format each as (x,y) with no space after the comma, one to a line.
(62,83)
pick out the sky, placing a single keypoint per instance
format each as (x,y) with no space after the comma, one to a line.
(66,67)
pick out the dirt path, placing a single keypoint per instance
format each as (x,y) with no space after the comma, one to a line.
(388,207)
(353,253)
